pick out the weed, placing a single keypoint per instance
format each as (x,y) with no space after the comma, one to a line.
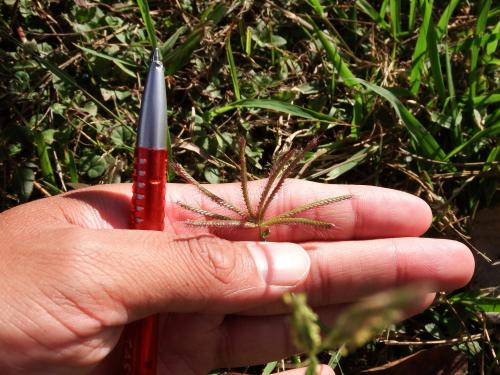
(255,217)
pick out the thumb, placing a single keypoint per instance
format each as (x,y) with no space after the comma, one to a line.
(149,271)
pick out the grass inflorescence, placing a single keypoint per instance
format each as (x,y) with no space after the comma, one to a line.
(255,217)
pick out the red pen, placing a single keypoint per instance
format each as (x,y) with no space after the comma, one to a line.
(148,207)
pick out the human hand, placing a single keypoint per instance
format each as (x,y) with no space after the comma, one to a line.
(73,276)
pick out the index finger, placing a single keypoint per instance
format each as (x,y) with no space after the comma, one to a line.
(372,212)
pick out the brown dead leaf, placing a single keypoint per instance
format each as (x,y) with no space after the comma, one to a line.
(439,360)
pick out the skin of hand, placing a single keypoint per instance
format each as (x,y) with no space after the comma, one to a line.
(73,275)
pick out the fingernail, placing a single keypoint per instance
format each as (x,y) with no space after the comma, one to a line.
(280,263)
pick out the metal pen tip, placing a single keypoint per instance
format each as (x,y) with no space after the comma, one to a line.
(156,56)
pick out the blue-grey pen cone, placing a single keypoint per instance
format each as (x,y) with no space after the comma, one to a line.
(152,130)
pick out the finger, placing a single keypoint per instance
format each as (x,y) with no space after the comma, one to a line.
(252,340)
(372,212)
(346,271)
(139,273)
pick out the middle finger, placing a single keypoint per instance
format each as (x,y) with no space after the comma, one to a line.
(345,271)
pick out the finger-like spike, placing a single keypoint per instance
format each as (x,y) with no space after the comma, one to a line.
(220,201)
(277,168)
(296,158)
(318,203)
(221,223)
(202,211)
(298,220)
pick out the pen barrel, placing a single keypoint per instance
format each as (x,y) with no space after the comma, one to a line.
(140,338)
(141,346)
(148,199)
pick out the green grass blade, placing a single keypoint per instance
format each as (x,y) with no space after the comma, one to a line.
(121,63)
(107,57)
(274,105)
(479,101)
(370,11)
(456,127)
(420,51)
(442,24)
(350,163)
(489,304)
(424,140)
(333,55)
(170,170)
(432,48)
(357,116)
(476,45)
(232,67)
(318,8)
(269,368)
(383,8)
(491,131)
(248,41)
(494,155)
(335,357)
(69,161)
(411,16)
(395,10)
(148,21)
(61,74)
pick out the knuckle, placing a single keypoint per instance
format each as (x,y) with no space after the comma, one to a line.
(216,258)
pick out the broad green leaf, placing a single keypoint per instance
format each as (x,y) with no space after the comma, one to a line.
(94,165)
(121,136)
(48,136)
(54,69)
(25,180)
(212,174)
